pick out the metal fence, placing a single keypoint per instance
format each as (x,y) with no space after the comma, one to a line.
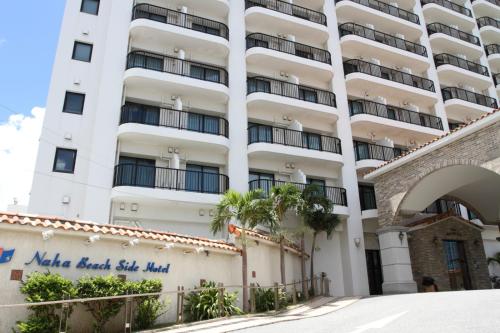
(388,9)
(370,151)
(289,9)
(450,5)
(488,21)
(468,96)
(434,28)
(448,59)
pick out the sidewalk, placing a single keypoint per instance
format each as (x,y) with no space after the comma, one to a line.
(317,307)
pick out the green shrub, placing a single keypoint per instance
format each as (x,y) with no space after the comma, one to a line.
(102,286)
(45,287)
(148,308)
(264,299)
(204,304)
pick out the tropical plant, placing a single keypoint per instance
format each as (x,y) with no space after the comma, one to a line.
(102,286)
(249,210)
(148,308)
(265,299)
(494,259)
(45,287)
(284,198)
(317,214)
(204,304)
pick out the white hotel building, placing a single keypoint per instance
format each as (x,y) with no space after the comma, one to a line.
(157,107)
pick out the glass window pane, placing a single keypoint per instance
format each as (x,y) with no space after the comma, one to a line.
(73,103)
(90,7)
(82,52)
(64,160)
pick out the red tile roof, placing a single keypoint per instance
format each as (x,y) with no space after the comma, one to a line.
(435,139)
(112,230)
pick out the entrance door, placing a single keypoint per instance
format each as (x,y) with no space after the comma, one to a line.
(374,268)
(456,261)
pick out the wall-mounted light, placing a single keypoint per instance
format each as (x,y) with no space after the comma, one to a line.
(200,249)
(201,212)
(211,212)
(401,237)
(122,205)
(357,241)
(167,246)
(92,239)
(435,240)
(48,234)
(134,207)
(131,243)
(66,200)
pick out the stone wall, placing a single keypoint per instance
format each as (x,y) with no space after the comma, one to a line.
(429,259)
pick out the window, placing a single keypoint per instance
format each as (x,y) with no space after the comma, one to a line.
(203,73)
(200,178)
(260,180)
(259,133)
(82,51)
(136,172)
(202,123)
(90,7)
(73,103)
(308,95)
(65,160)
(367,197)
(205,29)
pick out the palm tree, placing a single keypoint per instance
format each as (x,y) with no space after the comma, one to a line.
(317,214)
(494,259)
(248,209)
(284,198)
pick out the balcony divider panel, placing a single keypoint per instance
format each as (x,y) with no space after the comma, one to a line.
(388,9)
(337,195)
(172,65)
(361,106)
(381,37)
(289,47)
(468,96)
(360,66)
(289,9)
(293,138)
(172,17)
(286,89)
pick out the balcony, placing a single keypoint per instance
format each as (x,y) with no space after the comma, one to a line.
(337,195)
(153,25)
(147,123)
(489,29)
(395,122)
(453,69)
(388,9)
(492,49)
(445,39)
(143,181)
(270,16)
(288,9)
(449,12)
(265,141)
(461,104)
(269,52)
(180,77)
(389,82)
(402,44)
(496,79)
(370,156)
(487,21)
(486,8)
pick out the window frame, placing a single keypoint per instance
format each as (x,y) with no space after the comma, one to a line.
(98,7)
(66,99)
(59,149)
(85,44)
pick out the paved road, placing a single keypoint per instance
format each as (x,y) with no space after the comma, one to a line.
(456,312)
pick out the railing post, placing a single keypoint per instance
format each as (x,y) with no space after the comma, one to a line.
(63,318)
(221,300)
(322,285)
(276,297)
(252,298)
(294,293)
(129,313)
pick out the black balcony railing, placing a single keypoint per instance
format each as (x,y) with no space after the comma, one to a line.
(170,179)
(167,64)
(360,66)
(496,79)
(166,117)
(388,9)
(492,49)
(288,137)
(362,106)
(450,5)
(448,59)
(172,17)
(291,90)
(495,2)
(367,197)
(381,37)
(289,9)
(337,195)
(435,28)
(441,206)
(469,96)
(487,21)
(286,46)
(370,151)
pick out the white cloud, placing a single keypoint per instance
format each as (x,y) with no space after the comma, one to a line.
(18,149)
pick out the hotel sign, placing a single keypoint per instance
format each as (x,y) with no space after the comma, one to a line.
(86,263)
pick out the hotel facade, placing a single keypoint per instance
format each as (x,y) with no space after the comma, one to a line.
(157,107)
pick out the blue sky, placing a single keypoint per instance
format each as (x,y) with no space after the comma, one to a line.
(28,40)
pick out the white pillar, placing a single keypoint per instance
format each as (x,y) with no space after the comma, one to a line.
(178,104)
(354,258)
(237,105)
(298,176)
(176,161)
(396,263)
